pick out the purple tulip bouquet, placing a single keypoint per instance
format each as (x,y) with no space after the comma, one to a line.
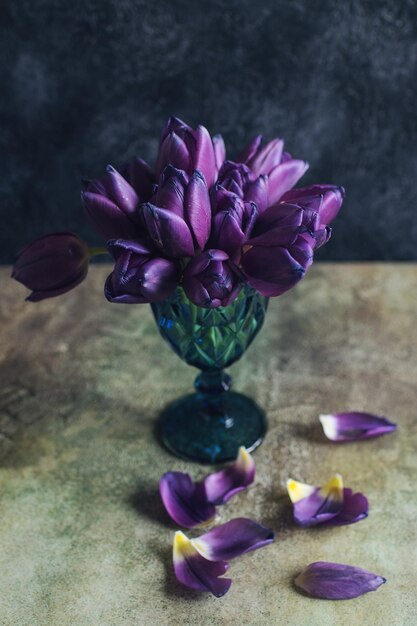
(206,241)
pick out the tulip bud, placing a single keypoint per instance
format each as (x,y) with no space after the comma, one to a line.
(211,279)
(52,265)
(138,277)
(232,227)
(111,205)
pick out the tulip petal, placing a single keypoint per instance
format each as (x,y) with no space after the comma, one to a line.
(249,150)
(141,177)
(197,210)
(257,192)
(205,160)
(219,151)
(107,218)
(284,176)
(196,572)
(314,505)
(168,231)
(120,191)
(223,485)
(171,190)
(279,225)
(354,509)
(173,151)
(232,539)
(185,501)
(267,158)
(272,271)
(332,199)
(355,426)
(335,581)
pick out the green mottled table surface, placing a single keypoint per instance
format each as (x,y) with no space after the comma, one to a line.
(83,536)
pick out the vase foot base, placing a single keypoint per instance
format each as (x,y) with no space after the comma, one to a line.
(211,431)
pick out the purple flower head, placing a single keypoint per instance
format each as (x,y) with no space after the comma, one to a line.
(275,269)
(188,150)
(111,205)
(330,505)
(232,226)
(199,563)
(138,277)
(191,503)
(336,581)
(52,265)
(355,426)
(211,279)
(179,220)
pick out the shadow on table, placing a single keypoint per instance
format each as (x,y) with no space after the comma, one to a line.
(146,501)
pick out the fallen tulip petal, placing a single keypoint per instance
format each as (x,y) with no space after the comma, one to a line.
(232,539)
(196,572)
(315,505)
(185,501)
(335,581)
(223,485)
(355,426)
(354,508)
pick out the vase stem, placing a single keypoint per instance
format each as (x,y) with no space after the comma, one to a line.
(213,382)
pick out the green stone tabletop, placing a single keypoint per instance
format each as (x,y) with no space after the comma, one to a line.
(83,536)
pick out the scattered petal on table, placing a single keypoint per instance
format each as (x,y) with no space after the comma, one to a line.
(223,485)
(335,581)
(232,539)
(196,572)
(315,505)
(185,501)
(354,426)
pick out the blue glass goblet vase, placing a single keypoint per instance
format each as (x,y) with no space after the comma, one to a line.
(209,425)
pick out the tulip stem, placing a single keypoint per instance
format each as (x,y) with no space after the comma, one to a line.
(98,251)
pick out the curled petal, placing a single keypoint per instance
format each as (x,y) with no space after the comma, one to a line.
(355,426)
(354,508)
(314,505)
(232,539)
(331,199)
(284,176)
(277,226)
(335,581)
(196,572)
(171,190)
(185,501)
(223,485)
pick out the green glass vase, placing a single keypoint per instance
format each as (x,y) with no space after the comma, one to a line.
(209,425)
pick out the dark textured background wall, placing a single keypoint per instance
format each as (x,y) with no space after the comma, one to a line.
(87,82)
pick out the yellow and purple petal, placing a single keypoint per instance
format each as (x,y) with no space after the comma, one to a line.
(335,581)
(355,507)
(315,505)
(195,571)
(185,501)
(355,426)
(229,540)
(223,485)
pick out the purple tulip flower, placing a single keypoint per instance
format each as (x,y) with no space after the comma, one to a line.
(232,226)
(336,581)
(138,276)
(211,279)
(52,265)
(111,205)
(188,149)
(179,221)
